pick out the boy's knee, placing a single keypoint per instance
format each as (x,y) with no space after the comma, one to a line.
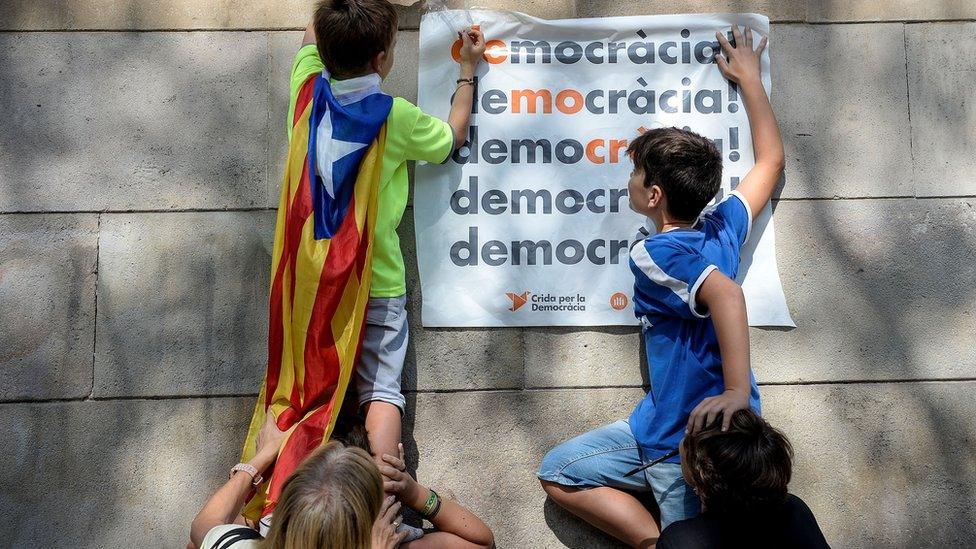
(552,462)
(557,492)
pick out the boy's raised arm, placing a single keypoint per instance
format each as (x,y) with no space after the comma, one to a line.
(472,48)
(741,65)
(727,306)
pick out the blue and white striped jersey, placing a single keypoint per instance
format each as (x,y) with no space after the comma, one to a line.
(683,359)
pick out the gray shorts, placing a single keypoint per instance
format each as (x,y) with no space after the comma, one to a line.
(384,351)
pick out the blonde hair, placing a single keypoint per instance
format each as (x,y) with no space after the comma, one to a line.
(331,500)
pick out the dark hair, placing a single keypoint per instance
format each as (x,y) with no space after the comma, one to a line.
(350,430)
(687,167)
(740,470)
(349,33)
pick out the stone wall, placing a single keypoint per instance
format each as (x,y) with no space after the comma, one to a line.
(140,153)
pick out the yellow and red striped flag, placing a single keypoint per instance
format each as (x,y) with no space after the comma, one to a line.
(321,270)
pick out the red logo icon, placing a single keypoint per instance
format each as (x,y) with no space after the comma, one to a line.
(517,300)
(618,301)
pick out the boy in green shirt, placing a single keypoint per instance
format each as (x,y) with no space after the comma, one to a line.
(354,40)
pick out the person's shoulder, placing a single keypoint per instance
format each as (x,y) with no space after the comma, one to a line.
(404,104)
(801,525)
(231,536)
(404,110)
(692,533)
(306,63)
(307,51)
(794,505)
(664,256)
(661,246)
(402,119)
(415,135)
(641,248)
(730,215)
(399,123)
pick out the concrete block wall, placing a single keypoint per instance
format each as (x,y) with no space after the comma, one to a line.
(140,155)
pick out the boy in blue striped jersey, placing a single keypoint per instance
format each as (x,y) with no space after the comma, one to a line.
(693,316)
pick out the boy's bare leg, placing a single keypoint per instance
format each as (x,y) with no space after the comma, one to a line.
(382,429)
(615,512)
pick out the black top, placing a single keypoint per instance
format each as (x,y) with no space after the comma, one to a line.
(789,525)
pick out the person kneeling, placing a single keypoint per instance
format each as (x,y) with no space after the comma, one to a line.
(335,498)
(741,477)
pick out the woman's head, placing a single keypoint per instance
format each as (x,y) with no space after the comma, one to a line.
(331,500)
(741,469)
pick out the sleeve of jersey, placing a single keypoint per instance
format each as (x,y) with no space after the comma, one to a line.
(429,139)
(671,275)
(734,215)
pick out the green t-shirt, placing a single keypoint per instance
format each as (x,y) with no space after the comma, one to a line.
(410,135)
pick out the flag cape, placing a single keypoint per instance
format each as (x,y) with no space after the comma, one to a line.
(320,270)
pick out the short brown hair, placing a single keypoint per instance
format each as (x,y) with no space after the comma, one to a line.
(687,167)
(349,33)
(744,469)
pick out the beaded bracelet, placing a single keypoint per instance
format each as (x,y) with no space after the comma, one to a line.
(435,511)
(432,506)
(256,478)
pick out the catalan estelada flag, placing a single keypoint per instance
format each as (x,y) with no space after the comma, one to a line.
(321,268)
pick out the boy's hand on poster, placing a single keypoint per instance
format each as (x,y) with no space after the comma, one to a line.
(726,404)
(741,63)
(472,47)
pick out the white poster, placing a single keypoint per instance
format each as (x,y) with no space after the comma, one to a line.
(528,224)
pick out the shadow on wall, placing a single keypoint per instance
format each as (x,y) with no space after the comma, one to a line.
(141,121)
(900,261)
(139,469)
(183,142)
(189,305)
(899,272)
(134,121)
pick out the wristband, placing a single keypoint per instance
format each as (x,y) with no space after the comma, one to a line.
(436,510)
(468,80)
(432,505)
(256,479)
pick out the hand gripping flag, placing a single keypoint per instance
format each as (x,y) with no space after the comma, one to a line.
(321,268)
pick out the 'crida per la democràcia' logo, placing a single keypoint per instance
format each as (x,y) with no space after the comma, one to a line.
(518,300)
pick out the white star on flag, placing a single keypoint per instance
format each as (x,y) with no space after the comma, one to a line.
(329,150)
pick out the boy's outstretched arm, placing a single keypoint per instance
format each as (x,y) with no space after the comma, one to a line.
(472,48)
(741,65)
(727,305)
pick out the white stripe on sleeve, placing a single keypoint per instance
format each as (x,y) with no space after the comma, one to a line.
(694,292)
(657,275)
(745,203)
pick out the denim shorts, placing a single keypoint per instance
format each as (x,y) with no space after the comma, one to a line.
(602,456)
(384,351)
